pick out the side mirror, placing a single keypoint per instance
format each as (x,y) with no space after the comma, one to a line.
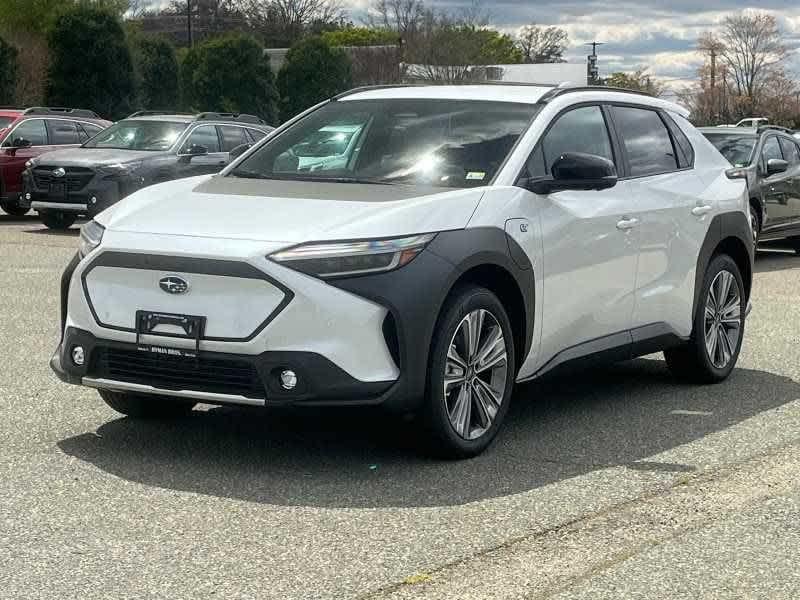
(776,165)
(21,143)
(195,150)
(577,171)
(239,150)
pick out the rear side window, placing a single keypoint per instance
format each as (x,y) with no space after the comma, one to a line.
(32,130)
(579,130)
(682,143)
(62,132)
(790,152)
(646,140)
(232,137)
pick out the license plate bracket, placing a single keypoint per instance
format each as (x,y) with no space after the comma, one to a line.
(58,190)
(193,326)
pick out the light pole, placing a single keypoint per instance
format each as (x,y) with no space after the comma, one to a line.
(189,21)
(592,72)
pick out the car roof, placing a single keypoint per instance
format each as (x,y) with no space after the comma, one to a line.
(521,93)
(729,130)
(174,118)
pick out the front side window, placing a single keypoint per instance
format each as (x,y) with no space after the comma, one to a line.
(205,136)
(737,149)
(790,152)
(771,149)
(62,132)
(138,134)
(32,130)
(647,143)
(448,143)
(580,130)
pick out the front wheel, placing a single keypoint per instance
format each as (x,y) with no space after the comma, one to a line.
(470,373)
(145,406)
(12,207)
(57,219)
(712,352)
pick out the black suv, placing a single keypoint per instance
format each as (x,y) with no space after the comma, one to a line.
(769,159)
(146,148)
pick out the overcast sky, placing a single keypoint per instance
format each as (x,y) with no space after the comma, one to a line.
(657,33)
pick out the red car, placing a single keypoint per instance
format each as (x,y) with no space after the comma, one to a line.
(25,133)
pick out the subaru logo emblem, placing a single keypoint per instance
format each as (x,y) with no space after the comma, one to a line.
(173,285)
(59,172)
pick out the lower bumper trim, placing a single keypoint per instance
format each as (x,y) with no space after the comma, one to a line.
(63,206)
(136,388)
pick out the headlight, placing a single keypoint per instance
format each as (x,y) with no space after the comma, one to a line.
(91,236)
(337,259)
(118,169)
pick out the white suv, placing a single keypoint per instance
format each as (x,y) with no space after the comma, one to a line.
(472,237)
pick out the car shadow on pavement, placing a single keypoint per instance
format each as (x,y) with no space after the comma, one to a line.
(73,231)
(15,220)
(555,429)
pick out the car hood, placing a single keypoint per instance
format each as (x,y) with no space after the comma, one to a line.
(91,157)
(289,211)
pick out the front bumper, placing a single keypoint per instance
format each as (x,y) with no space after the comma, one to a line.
(213,378)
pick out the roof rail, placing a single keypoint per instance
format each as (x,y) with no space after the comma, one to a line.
(389,86)
(233,117)
(154,113)
(762,128)
(60,111)
(562,89)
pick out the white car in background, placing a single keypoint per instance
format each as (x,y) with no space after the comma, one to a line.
(469,238)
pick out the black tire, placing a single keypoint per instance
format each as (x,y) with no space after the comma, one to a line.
(795,243)
(146,406)
(12,207)
(444,440)
(692,361)
(755,222)
(57,219)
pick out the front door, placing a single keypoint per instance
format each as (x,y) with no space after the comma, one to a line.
(213,160)
(13,159)
(590,245)
(776,189)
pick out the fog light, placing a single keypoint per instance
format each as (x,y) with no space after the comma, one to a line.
(288,380)
(78,356)
(28,196)
(93,200)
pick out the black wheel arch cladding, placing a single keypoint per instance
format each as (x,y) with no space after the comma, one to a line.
(415,293)
(728,233)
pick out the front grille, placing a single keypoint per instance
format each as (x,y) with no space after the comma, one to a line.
(218,376)
(75,180)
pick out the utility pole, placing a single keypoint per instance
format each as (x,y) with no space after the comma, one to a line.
(189,21)
(708,43)
(592,72)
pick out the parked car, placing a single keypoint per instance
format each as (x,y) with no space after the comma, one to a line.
(27,133)
(476,236)
(753,122)
(146,148)
(768,158)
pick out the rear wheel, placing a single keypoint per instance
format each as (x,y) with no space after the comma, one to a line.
(470,373)
(145,406)
(713,349)
(13,208)
(57,219)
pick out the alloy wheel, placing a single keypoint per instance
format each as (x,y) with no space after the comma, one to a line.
(723,319)
(754,224)
(475,374)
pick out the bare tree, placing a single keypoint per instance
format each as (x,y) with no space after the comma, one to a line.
(753,51)
(542,44)
(403,16)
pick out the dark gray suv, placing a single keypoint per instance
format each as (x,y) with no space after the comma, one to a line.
(769,159)
(146,148)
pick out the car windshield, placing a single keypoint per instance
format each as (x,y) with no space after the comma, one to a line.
(138,135)
(448,143)
(6,121)
(738,149)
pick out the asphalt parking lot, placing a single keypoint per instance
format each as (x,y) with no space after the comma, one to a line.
(617,483)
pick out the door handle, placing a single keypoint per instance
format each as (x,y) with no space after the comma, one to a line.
(625,223)
(699,211)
